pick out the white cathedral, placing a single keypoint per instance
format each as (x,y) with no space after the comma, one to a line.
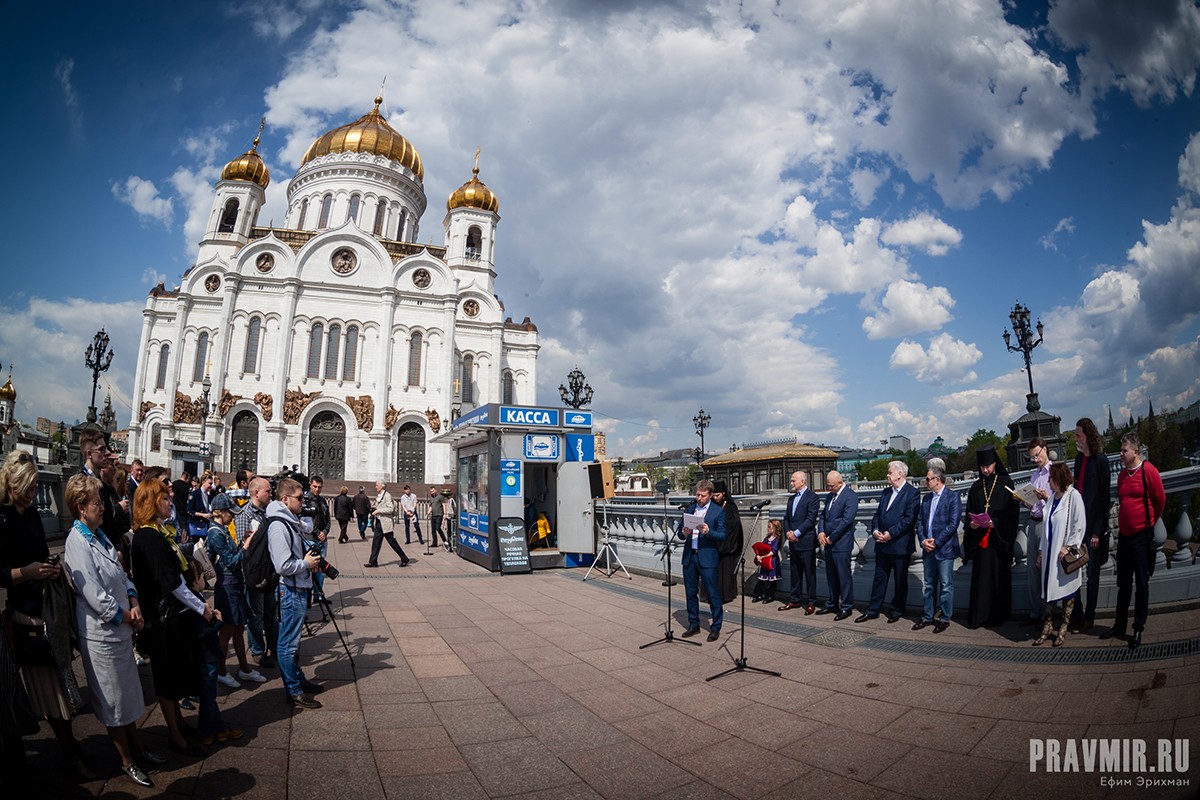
(335,342)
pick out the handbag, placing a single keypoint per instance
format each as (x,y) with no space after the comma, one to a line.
(30,646)
(1076,556)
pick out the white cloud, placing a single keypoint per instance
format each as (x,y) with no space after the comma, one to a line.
(865,182)
(923,231)
(1170,377)
(1150,50)
(152,277)
(46,340)
(909,307)
(947,359)
(63,72)
(196,193)
(143,197)
(1189,166)
(1065,225)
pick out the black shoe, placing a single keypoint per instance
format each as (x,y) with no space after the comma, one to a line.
(940,626)
(1115,632)
(690,632)
(343,541)
(825,610)
(303,701)
(311,688)
(841,615)
(925,623)
(370,565)
(137,776)
(408,541)
(714,635)
(1135,641)
(866,617)
(151,757)
(189,749)
(894,618)
(406,562)
(187,704)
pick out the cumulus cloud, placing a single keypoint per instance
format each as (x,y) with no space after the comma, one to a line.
(1170,377)
(923,231)
(947,359)
(909,307)
(1150,50)
(144,198)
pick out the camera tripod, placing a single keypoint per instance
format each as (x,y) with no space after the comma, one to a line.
(322,601)
(739,663)
(609,552)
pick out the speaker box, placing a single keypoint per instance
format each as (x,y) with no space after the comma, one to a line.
(600,476)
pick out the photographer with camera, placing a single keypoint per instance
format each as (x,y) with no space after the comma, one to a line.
(263,628)
(295,564)
(320,533)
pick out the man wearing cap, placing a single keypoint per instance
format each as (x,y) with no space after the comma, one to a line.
(990,530)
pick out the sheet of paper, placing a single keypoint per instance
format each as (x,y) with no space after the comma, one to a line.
(693,521)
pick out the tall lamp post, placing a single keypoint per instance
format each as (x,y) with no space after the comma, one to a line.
(1019,318)
(206,385)
(701,421)
(577,393)
(98,359)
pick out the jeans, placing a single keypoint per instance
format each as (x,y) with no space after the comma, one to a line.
(318,576)
(939,582)
(693,573)
(1033,538)
(263,620)
(362,525)
(293,605)
(210,720)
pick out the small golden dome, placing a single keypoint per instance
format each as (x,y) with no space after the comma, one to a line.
(369,133)
(7,392)
(474,194)
(248,166)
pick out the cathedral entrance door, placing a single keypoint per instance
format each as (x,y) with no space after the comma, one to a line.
(410,454)
(327,446)
(243,444)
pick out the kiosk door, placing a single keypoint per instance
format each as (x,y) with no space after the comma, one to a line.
(576,528)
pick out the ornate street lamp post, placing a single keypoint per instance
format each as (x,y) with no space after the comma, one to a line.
(98,359)
(701,421)
(579,394)
(1019,317)
(206,385)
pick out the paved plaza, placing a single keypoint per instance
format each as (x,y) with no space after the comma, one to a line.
(472,685)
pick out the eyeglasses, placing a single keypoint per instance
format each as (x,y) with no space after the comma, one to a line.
(294,497)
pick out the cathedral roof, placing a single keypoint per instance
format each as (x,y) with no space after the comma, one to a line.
(369,133)
(474,194)
(248,166)
(7,392)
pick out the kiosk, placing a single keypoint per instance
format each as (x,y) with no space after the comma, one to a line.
(524,486)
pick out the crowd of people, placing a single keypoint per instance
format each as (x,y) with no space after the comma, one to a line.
(169,572)
(1068,512)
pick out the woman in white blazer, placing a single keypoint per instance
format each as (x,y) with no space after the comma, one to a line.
(1067,521)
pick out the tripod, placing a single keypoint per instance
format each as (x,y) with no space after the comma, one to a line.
(323,602)
(739,663)
(609,553)
(669,635)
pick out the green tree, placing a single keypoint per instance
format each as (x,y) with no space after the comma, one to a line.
(873,470)
(980,438)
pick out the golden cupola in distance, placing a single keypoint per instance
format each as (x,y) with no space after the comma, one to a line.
(372,134)
(474,194)
(248,166)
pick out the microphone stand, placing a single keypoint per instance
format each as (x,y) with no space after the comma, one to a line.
(669,635)
(739,663)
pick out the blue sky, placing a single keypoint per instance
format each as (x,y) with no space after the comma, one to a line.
(809,218)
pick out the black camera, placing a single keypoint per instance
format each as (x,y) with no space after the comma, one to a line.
(329,570)
(308,503)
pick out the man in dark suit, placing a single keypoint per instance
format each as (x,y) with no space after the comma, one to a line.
(892,527)
(937,526)
(800,528)
(837,537)
(701,553)
(136,470)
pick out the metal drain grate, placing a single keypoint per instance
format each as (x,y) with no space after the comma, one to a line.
(836,637)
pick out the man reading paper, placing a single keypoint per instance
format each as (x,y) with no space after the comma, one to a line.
(702,530)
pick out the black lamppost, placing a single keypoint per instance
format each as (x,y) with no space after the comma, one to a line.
(98,359)
(701,421)
(206,385)
(698,454)
(579,394)
(1019,317)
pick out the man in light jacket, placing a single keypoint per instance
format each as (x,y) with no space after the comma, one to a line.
(295,566)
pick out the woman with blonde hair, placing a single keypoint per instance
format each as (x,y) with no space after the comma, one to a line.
(28,567)
(159,567)
(106,616)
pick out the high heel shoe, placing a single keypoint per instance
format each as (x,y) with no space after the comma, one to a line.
(1058,640)
(1039,640)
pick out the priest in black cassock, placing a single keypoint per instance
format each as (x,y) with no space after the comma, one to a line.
(731,547)
(990,528)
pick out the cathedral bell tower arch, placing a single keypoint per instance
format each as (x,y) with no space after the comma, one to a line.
(240,195)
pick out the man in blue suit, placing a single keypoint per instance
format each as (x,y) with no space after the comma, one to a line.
(937,526)
(837,537)
(800,528)
(700,556)
(892,527)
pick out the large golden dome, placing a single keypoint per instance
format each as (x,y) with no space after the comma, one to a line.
(474,194)
(7,392)
(369,133)
(248,167)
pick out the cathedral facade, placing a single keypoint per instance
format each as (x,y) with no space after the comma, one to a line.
(335,342)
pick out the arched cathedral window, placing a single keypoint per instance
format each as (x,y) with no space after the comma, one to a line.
(201,357)
(229,216)
(350,362)
(253,332)
(315,338)
(326,207)
(331,351)
(414,359)
(164,355)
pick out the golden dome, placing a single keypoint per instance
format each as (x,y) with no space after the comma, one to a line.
(474,194)
(369,133)
(7,392)
(248,166)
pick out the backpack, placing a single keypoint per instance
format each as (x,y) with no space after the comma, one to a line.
(258,570)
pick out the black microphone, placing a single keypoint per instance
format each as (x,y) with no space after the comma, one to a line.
(684,504)
(763,504)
